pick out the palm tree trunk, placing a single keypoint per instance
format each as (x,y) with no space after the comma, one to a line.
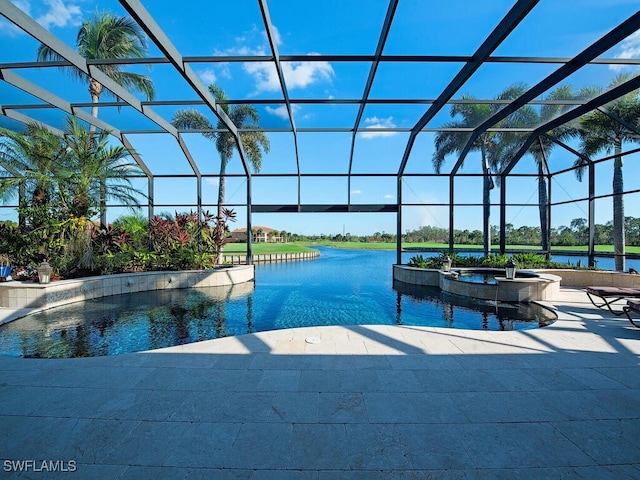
(103,201)
(221,195)
(486,204)
(95,89)
(543,201)
(618,208)
(22,202)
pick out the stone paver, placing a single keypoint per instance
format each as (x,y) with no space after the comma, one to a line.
(366,402)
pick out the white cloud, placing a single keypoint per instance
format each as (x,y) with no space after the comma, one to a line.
(629,48)
(207,76)
(54,13)
(265,75)
(302,74)
(215,181)
(388,195)
(375,122)
(60,15)
(23,5)
(356,192)
(8,28)
(281,111)
(296,74)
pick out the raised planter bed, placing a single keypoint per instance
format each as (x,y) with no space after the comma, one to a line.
(19,295)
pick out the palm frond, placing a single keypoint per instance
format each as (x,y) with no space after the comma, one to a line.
(220,95)
(109,37)
(447,143)
(192,120)
(135,82)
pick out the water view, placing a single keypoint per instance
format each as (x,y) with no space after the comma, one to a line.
(342,287)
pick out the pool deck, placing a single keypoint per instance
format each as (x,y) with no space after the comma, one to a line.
(370,403)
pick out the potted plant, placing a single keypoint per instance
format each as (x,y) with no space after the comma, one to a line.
(5,269)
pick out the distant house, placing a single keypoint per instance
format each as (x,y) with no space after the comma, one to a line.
(260,235)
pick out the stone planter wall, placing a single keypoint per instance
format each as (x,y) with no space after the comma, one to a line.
(587,278)
(20,295)
(428,277)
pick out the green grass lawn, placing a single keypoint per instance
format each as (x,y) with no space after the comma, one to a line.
(599,248)
(265,248)
(294,247)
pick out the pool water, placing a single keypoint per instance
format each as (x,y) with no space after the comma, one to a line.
(342,287)
(488,278)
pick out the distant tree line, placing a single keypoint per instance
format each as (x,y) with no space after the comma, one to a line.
(577,233)
(339,237)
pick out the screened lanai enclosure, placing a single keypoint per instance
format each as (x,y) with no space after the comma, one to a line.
(462,115)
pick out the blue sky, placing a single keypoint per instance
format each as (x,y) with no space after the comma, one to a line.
(552,29)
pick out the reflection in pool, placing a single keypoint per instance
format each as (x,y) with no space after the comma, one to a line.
(342,287)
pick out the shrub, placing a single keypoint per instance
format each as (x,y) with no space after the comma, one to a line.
(75,246)
(523,260)
(419,261)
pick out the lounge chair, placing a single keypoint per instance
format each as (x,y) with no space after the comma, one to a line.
(632,306)
(611,295)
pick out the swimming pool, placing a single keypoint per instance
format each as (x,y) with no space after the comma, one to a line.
(342,287)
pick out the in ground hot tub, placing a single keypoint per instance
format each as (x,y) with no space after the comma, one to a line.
(491,284)
(488,275)
(484,283)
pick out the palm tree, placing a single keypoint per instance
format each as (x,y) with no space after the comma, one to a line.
(35,157)
(531,117)
(95,170)
(448,143)
(62,180)
(108,37)
(600,132)
(242,116)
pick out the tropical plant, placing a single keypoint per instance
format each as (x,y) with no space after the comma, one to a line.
(62,179)
(419,261)
(606,130)
(34,164)
(31,161)
(522,260)
(221,230)
(94,170)
(135,226)
(189,242)
(108,37)
(448,142)
(243,117)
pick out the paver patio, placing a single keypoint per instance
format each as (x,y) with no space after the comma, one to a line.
(375,402)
